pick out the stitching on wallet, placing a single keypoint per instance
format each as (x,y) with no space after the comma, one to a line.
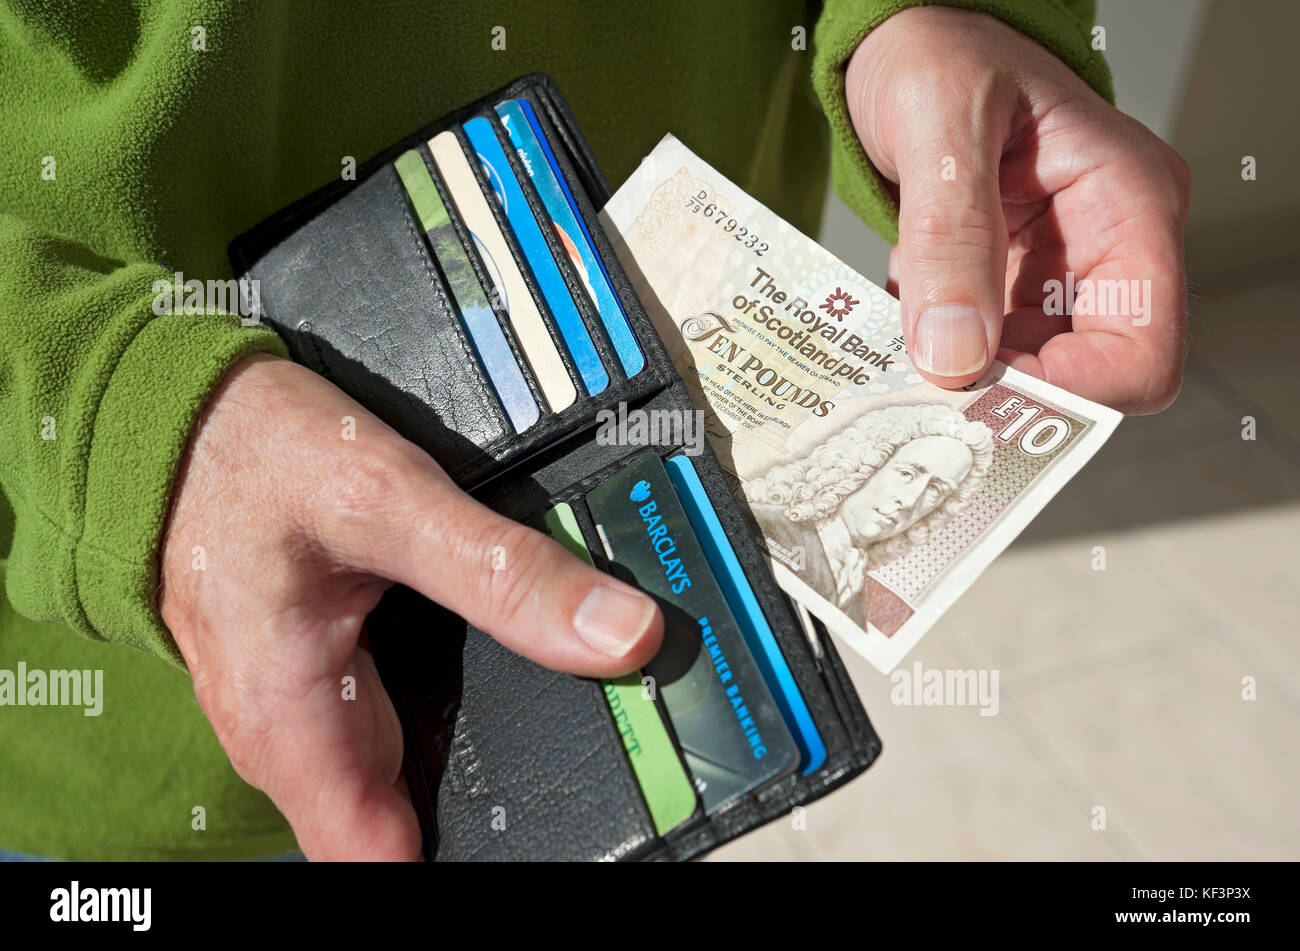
(435,282)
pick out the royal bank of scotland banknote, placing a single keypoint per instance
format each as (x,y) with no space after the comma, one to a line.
(880,497)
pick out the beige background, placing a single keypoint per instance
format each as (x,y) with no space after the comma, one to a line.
(1122,688)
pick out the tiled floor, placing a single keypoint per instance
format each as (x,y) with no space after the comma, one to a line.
(1120,688)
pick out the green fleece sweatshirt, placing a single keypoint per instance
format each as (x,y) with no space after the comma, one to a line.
(136,139)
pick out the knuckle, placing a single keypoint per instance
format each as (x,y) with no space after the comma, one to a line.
(370,479)
(363,486)
(966,96)
(944,231)
(504,563)
(912,93)
(988,91)
(1162,389)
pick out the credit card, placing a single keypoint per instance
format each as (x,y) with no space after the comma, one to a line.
(536,156)
(481,324)
(726,721)
(664,784)
(511,198)
(744,607)
(534,339)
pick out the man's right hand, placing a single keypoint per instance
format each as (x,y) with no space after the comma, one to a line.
(283,535)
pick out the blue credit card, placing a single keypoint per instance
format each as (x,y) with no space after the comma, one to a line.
(536,156)
(727,721)
(511,198)
(481,325)
(744,606)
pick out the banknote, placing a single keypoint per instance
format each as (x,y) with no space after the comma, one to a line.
(879,496)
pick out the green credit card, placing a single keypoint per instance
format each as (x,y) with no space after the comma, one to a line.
(664,785)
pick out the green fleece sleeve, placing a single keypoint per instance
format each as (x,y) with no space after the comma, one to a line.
(1062,26)
(98,395)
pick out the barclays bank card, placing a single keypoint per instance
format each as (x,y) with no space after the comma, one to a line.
(727,723)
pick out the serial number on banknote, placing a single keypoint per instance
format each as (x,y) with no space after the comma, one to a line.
(726,222)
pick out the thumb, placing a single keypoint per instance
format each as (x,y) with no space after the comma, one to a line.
(506,579)
(952,255)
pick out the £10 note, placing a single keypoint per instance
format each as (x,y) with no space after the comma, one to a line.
(879,496)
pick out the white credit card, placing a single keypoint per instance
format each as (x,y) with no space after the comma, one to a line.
(525,319)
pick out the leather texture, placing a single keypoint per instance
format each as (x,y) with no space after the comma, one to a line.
(505,759)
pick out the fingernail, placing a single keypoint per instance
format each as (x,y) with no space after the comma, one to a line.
(612,621)
(950,340)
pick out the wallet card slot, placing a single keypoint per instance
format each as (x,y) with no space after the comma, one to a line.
(579,295)
(584,167)
(696,670)
(353,288)
(520,261)
(625,321)
(576,502)
(572,469)
(471,249)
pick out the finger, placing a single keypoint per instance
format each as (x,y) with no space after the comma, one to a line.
(330,760)
(363,814)
(1122,265)
(1131,360)
(952,234)
(1131,374)
(404,790)
(415,527)
(1129,354)
(1027,329)
(1128,320)
(891,283)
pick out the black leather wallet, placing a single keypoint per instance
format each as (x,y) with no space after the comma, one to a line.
(505,759)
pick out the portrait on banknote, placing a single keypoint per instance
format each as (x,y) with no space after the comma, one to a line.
(867,494)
